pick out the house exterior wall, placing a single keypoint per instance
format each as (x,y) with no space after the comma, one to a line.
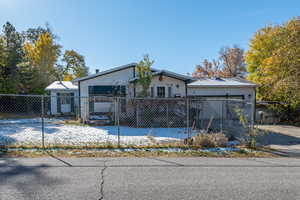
(215,109)
(120,77)
(247,92)
(178,86)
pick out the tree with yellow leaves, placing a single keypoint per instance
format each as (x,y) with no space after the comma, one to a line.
(274,63)
(43,55)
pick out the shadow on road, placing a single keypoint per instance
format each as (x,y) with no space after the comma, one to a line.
(278,139)
(25,178)
(59,159)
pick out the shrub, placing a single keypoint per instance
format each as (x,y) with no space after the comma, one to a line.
(210,140)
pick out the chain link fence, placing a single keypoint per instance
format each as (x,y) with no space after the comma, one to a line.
(60,121)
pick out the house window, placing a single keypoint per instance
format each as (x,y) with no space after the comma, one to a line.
(161,92)
(107,90)
(152,92)
(169,92)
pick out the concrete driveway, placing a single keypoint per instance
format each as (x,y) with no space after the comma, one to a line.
(285,139)
(149,178)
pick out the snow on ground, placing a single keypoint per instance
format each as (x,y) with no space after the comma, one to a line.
(28,131)
(30,120)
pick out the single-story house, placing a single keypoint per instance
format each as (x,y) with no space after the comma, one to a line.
(123,82)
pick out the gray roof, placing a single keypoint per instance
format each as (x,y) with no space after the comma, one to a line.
(155,72)
(167,73)
(105,72)
(222,82)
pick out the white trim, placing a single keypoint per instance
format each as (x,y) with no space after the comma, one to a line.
(105,72)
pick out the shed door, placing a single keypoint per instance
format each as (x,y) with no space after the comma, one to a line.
(65,102)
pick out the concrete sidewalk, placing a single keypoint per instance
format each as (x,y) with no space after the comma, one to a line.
(149,178)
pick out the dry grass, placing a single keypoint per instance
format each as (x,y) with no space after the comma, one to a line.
(210,140)
(4,116)
(105,145)
(86,153)
(74,122)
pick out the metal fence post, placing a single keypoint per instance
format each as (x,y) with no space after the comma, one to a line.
(43,125)
(167,110)
(118,119)
(222,103)
(252,113)
(187,117)
(137,114)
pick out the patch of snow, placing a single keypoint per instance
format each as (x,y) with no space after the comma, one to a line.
(99,117)
(221,149)
(31,121)
(29,131)
(233,143)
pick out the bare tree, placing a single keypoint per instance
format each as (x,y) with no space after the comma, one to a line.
(231,63)
(207,69)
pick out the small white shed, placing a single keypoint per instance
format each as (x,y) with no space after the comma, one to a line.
(63,97)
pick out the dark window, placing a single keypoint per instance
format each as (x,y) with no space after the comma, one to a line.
(161,92)
(169,92)
(107,90)
(152,92)
(123,104)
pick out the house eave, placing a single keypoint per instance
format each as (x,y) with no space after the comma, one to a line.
(123,67)
(221,86)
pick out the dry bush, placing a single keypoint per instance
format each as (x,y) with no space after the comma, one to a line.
(210,140)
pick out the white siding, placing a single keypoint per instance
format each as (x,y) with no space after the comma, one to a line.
(165,82)
(115,78)
(247,92)
(214,108)
(120,77)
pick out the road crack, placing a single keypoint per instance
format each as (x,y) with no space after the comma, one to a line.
(102,180)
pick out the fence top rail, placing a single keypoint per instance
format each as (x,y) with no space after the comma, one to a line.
(21,95)
(134,98)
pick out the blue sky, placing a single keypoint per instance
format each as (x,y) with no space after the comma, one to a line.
(177,34)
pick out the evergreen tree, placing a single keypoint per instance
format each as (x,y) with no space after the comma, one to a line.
(13,50)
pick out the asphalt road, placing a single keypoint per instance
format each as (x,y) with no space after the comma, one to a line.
(149,178)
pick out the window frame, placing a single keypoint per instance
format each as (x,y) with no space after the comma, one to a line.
(161,91)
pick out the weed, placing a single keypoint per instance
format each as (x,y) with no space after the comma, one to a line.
(210,140)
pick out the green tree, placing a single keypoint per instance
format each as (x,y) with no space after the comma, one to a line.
(3,60)
(75,66)
(29,81)
(12,47)
(29,60)
(273,62)
(33,34)
(145,74)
